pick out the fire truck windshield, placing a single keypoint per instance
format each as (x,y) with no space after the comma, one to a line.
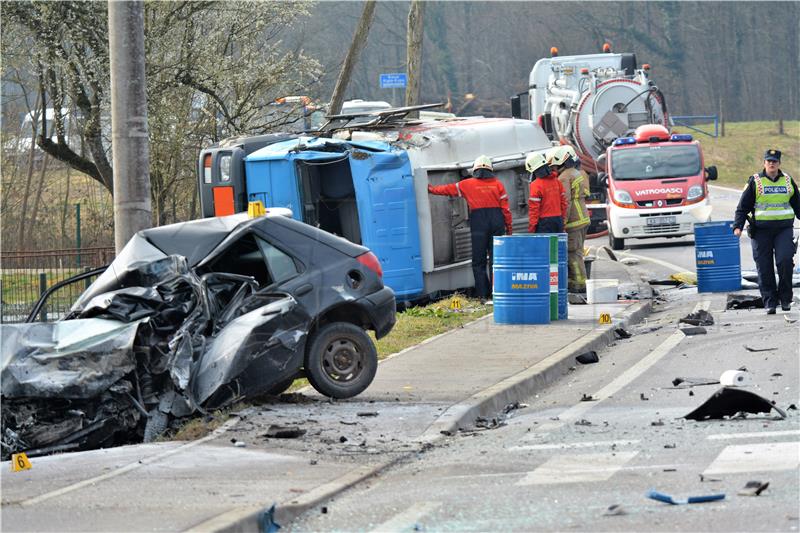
(655,161)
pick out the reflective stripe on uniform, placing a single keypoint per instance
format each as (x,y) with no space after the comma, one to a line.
(458,188)
(773,212)
(772,199)
(533,199)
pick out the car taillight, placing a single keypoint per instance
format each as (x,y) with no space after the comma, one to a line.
(371,262)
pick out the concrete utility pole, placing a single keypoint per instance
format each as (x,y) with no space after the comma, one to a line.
(131,158)
(414,51)
(359,40)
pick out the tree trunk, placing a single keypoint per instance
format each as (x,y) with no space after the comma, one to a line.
(28,180)
(359,40)
(65,210)
(37,201)
(414,52)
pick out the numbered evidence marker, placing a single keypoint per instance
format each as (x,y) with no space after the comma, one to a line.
(605,318)
(455,303)
(19,462)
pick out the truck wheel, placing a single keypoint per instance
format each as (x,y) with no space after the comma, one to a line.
(341,360)
(616,244)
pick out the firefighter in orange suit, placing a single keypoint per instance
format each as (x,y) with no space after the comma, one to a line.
(565,161)
(489,216)
(547,202)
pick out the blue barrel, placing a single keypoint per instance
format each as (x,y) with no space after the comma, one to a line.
(521,274)
(562,276)
(719,267)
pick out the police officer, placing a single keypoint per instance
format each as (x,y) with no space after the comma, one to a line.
(576,187)
(488,216)
(771,197)
(547,201)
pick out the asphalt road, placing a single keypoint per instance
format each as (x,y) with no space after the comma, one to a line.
(559,463)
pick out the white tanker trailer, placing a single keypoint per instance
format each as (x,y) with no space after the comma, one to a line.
(588,101)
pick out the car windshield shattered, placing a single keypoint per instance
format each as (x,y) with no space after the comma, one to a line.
(162,336)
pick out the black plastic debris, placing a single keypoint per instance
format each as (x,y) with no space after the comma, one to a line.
(753,488)
(792,407)
(751,349)
(693,382)
(728,401)
(744,301)
(267,523)
(587,358)
(699,318)
(667,281)
(582,422)
(658,422)
(704,479)
(661,497)
(670,446)
(342,439)
(284,432)
(367,413)
(643,397)
(776,375)
(622,333)
(614,510)
(693,330)
(588,398)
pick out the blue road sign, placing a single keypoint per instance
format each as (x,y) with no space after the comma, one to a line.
(393,81)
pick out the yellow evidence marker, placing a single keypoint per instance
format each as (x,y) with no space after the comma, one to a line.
(19,462)
(605,318)
(455,303)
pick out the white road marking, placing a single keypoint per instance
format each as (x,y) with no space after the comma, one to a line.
(757,434)
(671,466)
(624,379)
(572,445)
(577,468)
(405,520)
(765,457)
(131,466)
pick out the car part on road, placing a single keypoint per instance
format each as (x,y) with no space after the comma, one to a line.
(587,358)
(744,301)
(661,497)
(699,318)
(729,401)
(735,378)
(693,330)
(753,488)
(622,333)
(693,382)
(750,349)
(614,510)
(284,432)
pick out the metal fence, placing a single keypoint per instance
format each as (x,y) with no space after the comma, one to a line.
(27,275)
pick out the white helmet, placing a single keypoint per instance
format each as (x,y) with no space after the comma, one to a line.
(560,155)
(483,162)
(534,161)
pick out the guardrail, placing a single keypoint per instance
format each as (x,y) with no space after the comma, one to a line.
(26,275)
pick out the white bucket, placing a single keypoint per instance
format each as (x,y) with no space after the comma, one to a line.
(600,291)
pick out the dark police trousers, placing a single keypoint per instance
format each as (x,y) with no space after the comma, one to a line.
(484,224)
(767,243)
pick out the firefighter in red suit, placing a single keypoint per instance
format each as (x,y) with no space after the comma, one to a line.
(488,216)
(547,202)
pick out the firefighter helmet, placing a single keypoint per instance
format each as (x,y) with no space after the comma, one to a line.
(535,161)
(561,155)
(483,162)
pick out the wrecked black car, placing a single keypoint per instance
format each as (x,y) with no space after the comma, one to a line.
(189,318)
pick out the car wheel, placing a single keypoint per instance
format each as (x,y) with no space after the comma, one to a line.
(616,244)
(341,360)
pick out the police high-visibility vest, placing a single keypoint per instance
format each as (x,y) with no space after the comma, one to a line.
(772,199)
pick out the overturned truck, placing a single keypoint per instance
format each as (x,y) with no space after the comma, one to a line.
(191,318)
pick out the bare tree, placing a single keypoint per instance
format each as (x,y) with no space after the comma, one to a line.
(359,40)
(414,55)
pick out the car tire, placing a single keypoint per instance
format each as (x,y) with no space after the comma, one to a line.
(616,244)
(341,360)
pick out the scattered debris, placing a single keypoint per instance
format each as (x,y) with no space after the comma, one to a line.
(284,432)
(672,282)
(622,333)
(588,398)
(614,510)
(658,422)
(587,358)
(792,407)
(693,382)
(643,397)
(790,320)
(670,470)
(658,496)
(513,407)
(670,446)
(753,488)
(629,261)
(685,278)
(729,401)
(342,439)
(239,443)
(583,422)
(699,318)
(367,413)
(709,479)
(750,349)
(576,299)
(347,423)
(691,393)
(324,509)
(735,378)
(693,330)
(750,275)
(490,423)
(267,523)
(776,375)
(744,301)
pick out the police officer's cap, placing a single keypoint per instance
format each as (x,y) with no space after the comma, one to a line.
(772,155)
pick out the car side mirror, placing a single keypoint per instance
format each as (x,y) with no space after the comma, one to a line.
(711,173)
